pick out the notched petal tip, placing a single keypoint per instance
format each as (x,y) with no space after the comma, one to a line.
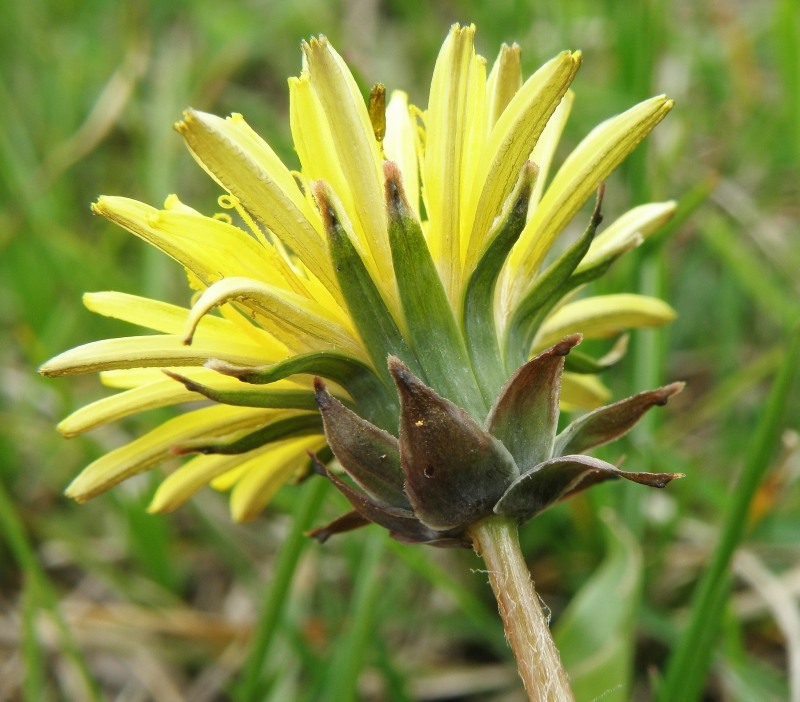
(46,370)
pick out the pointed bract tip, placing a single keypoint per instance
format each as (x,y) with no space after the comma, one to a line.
(668,391)
(186,382)
(401,373)
(321,394)
(219,366)
(563,347)
(396,202)
(321,534)
(323,197)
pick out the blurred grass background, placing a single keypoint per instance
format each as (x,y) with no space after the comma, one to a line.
(103,601)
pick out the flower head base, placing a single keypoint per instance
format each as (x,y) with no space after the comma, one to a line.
(447,472)
(330,270)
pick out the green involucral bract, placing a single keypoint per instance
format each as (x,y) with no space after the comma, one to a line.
(446,472)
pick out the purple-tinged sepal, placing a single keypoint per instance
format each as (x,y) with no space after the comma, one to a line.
(455,471)
(446,472)
(525,415)
(562,477)
(401,524)
(369,455)
(608,423)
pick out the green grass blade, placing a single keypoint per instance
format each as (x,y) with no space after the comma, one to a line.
(274,605)
(596,633)
(351,647)
(33,685)
(482,619)
(688,666)
(754,276)
(40,591)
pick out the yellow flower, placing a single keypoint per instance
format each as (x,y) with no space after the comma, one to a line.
(328,270)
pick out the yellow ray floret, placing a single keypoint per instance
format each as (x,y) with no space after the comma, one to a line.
(628,232)
(447,130)
(155,446)
(246,167)
(301,324)
(400,144)
(511,141)
(262,478)
(354,144)
(503,82)
(604,316)
(151,351)
(586,167)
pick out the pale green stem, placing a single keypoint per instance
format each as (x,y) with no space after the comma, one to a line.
(538,661)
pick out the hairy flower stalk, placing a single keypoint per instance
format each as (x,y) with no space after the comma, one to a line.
(396,303)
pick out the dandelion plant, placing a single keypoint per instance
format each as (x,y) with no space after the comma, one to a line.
(397,316)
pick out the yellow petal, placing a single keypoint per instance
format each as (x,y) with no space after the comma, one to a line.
(224,248)
(154,447)
(628,231)
(264,477)
(207,247)
(184,482)
(140,219)
(447,123)
(171,319)
(127,378)
(299,323)
(400,144)
(159,392)
(355,146)
(585,168)
(580,391)
(162,393)
(505,79)
(231,251)
(603,316)
(510,143)
(151,351)
(246,166)
(153,314)
(545,149)
(314,144)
